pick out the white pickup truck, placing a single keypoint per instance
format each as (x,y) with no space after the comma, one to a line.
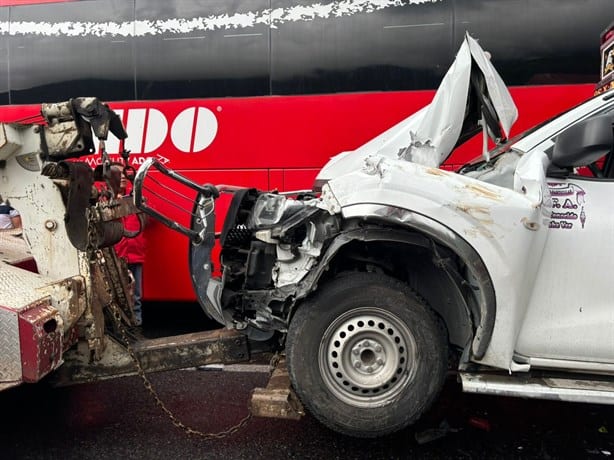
(391,268)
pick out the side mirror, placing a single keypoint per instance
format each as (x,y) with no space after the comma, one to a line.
(583,143)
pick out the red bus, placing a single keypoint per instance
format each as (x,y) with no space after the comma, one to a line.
(263,92)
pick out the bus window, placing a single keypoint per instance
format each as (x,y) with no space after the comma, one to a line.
(330,54)
(4,62)
(201,62)
(74,62)
(527,44)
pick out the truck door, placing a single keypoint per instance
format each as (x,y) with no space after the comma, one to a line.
(571,312)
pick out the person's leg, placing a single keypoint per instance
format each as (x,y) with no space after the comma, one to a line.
(137,272)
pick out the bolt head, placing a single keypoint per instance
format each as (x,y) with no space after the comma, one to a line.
(357,364)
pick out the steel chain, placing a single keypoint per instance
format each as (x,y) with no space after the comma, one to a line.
(116,314)
(91,234)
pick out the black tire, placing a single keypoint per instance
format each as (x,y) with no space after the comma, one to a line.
(366,355)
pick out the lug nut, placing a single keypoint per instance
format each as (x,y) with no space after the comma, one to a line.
(357,364)
(369,369)
(378,349)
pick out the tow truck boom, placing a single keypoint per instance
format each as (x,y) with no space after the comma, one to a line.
(68,228)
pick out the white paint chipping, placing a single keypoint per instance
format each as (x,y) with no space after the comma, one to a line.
(268,17)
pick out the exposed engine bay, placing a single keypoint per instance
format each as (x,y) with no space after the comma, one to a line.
(270,244)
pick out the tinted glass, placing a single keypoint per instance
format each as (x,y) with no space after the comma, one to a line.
(190,48)
(337,46)
(4,58)
(64,50)
(538,42)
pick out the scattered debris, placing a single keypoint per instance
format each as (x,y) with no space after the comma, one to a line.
(605,453)
(432,434)
(480,423)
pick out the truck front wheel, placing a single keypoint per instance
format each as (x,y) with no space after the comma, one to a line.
(366,355)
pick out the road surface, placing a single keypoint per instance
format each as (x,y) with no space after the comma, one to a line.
(118,419)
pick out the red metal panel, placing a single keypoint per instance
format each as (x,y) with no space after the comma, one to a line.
(300,179)
(40,335)
(276,179)
(286,132)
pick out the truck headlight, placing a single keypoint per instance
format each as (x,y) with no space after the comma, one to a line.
(268,210)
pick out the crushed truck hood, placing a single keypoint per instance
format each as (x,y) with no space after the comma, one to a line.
(471,90)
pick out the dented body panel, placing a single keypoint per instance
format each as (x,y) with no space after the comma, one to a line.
(42,343)
(495,221)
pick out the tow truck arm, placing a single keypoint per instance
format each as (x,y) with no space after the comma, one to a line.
(69,228)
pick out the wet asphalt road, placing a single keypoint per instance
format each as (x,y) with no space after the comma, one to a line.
(118,419)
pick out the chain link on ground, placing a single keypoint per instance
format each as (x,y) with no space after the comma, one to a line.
(117,318)
(116,314)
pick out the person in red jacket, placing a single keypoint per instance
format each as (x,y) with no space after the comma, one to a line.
(132,250)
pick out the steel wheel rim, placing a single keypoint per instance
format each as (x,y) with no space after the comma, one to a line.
(367,357)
